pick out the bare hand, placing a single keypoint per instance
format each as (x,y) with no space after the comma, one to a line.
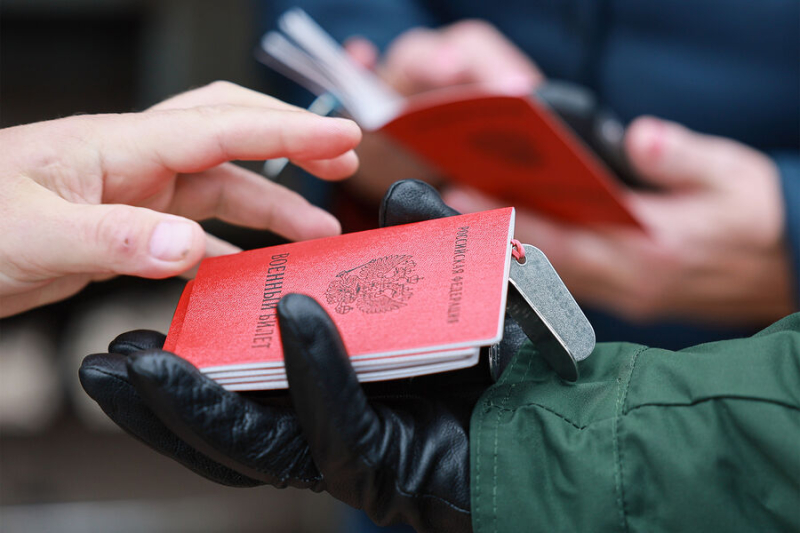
(89,197)
(715,247)
(469,51)
(421,59)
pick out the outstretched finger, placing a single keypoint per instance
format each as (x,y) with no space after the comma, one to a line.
(239,196)
(192,140)
(334,169)
(227,93)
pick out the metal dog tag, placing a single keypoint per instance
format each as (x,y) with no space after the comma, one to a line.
(548,314)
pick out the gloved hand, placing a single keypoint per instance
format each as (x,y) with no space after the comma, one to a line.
(399,450)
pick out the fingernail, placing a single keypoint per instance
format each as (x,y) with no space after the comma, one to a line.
(171,240)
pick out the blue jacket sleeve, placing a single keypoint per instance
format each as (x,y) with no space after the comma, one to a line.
(789,168)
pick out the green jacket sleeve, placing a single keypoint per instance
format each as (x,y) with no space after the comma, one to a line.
(704,439)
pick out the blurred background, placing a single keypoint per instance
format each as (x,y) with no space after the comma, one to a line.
(63,466)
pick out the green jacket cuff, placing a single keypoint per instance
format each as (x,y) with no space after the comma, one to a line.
(704,439)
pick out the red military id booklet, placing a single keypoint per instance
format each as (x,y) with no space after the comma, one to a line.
(407,300)
(515,150)
(510,147)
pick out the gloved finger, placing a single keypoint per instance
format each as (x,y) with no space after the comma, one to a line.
(410,201)
(260,442)
(137,340)
(104,377)
(342,429)
(372,457)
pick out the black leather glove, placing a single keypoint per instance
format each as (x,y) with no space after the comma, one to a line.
(399,449)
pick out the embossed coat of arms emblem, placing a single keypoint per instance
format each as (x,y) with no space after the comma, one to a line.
(378,286)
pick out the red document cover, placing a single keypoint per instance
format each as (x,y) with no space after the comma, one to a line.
(514,149)
(177,318)
(433,286)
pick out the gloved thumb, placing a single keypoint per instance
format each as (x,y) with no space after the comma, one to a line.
(670,156)
(115,239)
(409,201)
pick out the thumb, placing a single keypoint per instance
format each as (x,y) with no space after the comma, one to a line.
(670,156)
(118,239)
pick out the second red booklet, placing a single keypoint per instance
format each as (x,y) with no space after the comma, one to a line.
(413,290)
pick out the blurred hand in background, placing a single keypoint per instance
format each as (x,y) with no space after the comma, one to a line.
(714,248)
(420,60)
(467,52)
